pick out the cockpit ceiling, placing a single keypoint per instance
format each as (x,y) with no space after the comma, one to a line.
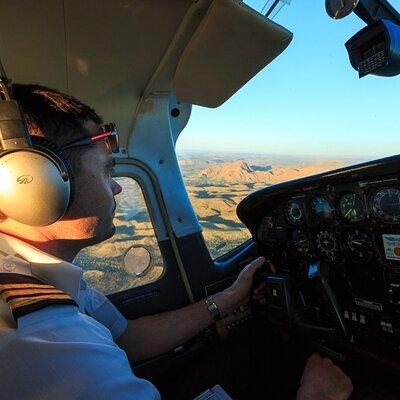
(111,53)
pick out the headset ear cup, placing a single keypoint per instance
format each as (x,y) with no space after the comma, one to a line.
(35,185)
(52,149)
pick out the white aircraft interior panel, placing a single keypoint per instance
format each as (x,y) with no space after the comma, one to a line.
(104,53)
(32,42)
(110,63)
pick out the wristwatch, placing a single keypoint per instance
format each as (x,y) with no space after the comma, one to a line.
(213,308)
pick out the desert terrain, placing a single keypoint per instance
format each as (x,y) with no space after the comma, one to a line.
(216,183)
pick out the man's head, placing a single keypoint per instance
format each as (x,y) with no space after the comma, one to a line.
(61,119)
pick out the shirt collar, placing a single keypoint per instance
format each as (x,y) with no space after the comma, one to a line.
(19,257)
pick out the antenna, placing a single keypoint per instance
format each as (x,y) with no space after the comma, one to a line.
(273,7)
(274,4)
(264,6)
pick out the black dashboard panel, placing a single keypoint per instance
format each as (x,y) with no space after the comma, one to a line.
(348,219)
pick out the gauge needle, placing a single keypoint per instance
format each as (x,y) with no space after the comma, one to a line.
(348,212)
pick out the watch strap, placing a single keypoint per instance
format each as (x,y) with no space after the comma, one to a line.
(213,308)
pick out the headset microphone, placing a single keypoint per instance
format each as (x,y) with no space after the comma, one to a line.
(35,176)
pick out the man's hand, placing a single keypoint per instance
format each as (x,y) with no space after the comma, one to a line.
(153,335)
(239,292)
(323,380)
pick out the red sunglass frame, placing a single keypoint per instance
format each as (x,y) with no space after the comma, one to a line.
(108,132)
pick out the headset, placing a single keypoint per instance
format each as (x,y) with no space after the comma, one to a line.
(35,176)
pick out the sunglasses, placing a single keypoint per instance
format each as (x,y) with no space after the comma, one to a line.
(108,132)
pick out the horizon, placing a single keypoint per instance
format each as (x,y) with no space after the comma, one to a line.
(181,152)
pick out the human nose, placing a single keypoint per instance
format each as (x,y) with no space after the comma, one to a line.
(116,187)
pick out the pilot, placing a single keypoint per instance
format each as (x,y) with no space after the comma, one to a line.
(60,339)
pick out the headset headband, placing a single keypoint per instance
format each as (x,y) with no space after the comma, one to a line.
(14,134)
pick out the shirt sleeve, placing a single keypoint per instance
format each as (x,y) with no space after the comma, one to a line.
(98,306)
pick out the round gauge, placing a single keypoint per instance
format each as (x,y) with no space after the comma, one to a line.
(294,213)
(337,9)
(326,243)
(386,205)
(300,241)
(321,208)
(352,207)
(360,245)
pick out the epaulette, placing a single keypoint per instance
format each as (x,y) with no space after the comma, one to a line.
(26,294)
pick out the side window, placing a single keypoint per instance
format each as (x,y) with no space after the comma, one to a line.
(103,264)
(215,191)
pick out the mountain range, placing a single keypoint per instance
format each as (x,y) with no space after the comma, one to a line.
(241,172)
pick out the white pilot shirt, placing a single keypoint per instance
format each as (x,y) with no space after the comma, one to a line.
(60,352)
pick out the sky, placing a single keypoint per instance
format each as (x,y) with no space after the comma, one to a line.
(307,101)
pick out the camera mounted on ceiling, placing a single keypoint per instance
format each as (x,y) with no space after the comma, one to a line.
(375,50)
(35,179)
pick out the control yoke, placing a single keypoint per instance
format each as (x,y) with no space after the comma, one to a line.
(286,307)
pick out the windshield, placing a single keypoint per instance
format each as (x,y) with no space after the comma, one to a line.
(305,113)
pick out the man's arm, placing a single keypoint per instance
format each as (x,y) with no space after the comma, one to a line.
(153,335)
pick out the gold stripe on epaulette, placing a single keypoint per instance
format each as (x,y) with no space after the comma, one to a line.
(21,257)
(23,286)
(15,303)
(24,292)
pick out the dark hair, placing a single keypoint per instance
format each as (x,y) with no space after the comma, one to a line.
(56,117)
(53,115)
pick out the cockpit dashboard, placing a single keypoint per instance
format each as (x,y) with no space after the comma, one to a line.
(348,220)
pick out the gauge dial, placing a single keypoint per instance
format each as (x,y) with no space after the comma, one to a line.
(386,205)
(321,208)
(360,245)
(326,242)
(352,207)
(300,241)
(294,213)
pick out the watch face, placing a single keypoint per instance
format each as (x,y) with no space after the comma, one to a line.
(213,309)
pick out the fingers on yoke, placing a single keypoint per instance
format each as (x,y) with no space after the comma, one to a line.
(258,262)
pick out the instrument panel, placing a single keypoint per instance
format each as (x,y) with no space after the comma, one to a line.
(336,224)
(349,220)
